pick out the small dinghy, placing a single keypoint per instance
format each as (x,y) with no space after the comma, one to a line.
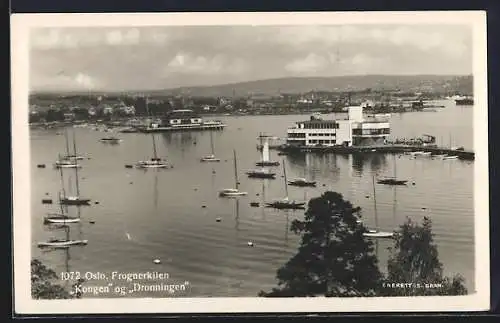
(74,200)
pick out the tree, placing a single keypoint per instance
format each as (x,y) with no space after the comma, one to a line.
(333,259)
(42,286)
(414,259)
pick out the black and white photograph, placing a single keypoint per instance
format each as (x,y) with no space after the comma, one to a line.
(250,162)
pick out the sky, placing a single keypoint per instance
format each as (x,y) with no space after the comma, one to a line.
(148,58)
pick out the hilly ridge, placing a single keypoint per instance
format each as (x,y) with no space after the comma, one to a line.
(434,83)
(294,85)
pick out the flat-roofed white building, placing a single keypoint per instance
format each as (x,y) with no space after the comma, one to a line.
(355,130)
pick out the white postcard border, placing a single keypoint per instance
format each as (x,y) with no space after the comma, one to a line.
(24,304)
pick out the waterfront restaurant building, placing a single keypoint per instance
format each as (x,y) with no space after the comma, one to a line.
(355,130)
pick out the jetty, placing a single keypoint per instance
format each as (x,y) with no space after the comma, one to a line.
(382,149)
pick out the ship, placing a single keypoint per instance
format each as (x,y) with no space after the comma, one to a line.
(464,101)
(181,120)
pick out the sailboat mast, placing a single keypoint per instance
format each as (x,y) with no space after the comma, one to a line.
(67,141)
(394,160)
(286,183)
(76,168)
(154,146)
(375,203)
(235,170)
(212,142)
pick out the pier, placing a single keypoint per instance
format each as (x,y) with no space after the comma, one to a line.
(384,149)
(215,126)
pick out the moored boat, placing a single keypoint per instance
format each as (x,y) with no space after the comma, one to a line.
(62,243)
(110,140)
(61,219)
(285,203)
(302,182)
(261,173)
(233,192)
(211,157)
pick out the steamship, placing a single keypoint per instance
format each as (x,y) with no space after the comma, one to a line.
(181,120)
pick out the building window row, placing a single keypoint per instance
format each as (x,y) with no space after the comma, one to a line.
(321,142)
(296,135)
(383,131)
(332,125)
(321,134)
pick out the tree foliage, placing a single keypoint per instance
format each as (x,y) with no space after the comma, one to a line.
(42,286)
(333,259)
(414,259)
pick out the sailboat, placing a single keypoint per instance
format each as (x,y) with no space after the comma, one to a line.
(211,157)
(375,233)
(265,155)
(61,218)
(233,192)
(286,203)
(392,180)
(77,199)
(69,160)
(155,161)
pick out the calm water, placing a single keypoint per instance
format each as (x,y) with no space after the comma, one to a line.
(159,214)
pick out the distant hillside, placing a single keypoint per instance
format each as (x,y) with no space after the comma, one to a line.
(434,83)
(292,85)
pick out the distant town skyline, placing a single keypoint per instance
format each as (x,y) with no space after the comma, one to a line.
(149,58)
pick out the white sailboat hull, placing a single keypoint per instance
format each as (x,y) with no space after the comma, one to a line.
(378,234)
(62,243)
(61,219)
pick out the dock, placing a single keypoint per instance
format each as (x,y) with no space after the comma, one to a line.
(202,127)
(383,149)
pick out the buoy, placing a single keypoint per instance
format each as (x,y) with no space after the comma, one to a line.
(324,184)
(128,166)
(424,208)
(213,172)
(257,194)
(40,165)
(250,243)
(203,206)
(47,201)
(157,261)
(91,222)
(131,182)
(367,196)
(46,193)
(96,202)
(218,219)
(254,204)
(413,183)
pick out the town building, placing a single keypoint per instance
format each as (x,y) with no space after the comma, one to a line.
(355,130)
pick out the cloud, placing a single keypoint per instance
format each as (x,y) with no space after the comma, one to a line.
(311,63)
(159,57)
